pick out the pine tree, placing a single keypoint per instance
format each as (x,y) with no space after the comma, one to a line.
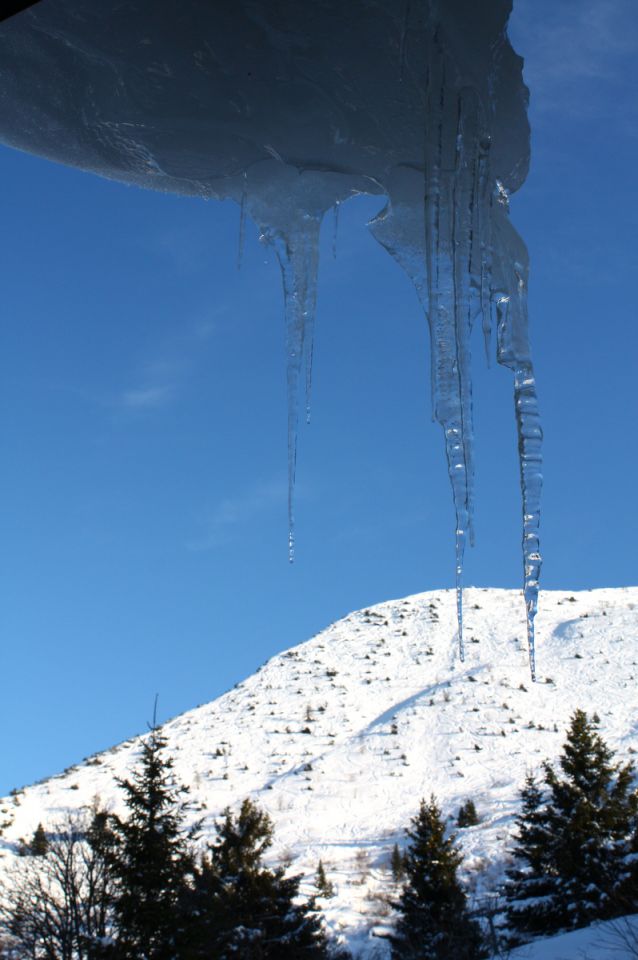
(39,844)
(575,844)
(467,815)
(150,860)
(591,816)
(434,922)
(324,887)
(530,878)
(242,909)
(397,864)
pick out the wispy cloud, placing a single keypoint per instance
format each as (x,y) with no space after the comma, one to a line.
(574,53)
(231,513)
(146,398)
(157,380)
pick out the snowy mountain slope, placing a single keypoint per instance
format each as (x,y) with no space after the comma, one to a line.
(340,737)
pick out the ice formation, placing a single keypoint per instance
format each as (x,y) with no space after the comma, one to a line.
(290,109)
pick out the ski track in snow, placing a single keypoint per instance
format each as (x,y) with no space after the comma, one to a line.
(394,717)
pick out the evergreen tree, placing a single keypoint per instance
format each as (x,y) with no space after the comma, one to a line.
(529,879)
(324,887)
(100,892)
(397,864)
(242,909)
(434,922)
(467,816)
(575,844)
(591,816)
(628,891)
(39,844)
(150,860)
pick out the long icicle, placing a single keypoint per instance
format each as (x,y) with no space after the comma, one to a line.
(509,291)
(447,239)
(298,255)
(530,437)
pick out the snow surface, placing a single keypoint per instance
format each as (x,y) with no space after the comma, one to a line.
(615,940)
(340,737)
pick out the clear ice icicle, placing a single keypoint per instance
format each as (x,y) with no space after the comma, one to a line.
(509,284)
(401,229)
(298,255)
(530,457)
(335,229)
(289,206)
(453,134)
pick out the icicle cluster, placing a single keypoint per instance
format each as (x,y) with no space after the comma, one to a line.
(447,224)
(450,231)
(290,108)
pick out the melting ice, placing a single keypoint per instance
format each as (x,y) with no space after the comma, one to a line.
(289,114)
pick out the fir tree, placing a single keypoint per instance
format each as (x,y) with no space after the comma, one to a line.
(242,909)
(575,844)
(150,860)
(39,843)
(324,887)
(467,815)
(434,923)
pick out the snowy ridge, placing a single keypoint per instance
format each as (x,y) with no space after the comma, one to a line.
(340,737)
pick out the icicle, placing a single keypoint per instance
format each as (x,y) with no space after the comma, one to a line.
(449,196)
(460,551)
(530,437)
(463,255)
(309,362)
(466,213)
(447,224)
(509,285)
(481,240)
(335,229)
(298,255)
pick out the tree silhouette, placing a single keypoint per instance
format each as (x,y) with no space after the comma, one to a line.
(434,922)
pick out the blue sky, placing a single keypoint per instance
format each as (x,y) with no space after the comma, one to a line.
(143,420)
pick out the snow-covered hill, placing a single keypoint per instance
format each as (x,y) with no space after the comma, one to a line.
(340,737)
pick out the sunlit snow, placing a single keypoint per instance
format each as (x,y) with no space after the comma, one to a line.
(340,737)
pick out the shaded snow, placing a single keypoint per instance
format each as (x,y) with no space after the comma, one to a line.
(616,940)
(393,716)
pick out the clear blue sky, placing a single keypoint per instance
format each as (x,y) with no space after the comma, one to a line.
(143,421)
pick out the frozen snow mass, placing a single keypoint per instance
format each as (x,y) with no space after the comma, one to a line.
(290,109)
